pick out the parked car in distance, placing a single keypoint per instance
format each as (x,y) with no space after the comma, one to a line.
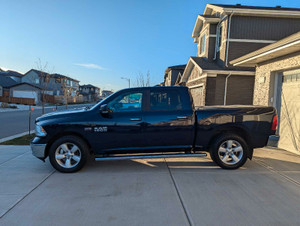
(152,120)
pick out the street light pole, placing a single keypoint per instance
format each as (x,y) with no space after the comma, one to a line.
(128,79)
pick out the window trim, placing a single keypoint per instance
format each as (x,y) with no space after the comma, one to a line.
(202,51)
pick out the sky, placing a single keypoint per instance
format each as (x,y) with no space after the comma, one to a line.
(98,42)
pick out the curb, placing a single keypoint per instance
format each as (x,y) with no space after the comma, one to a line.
(15,136)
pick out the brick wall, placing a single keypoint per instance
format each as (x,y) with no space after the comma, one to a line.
(264,72)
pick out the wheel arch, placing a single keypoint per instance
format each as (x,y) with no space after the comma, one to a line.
(63,134)
(236,130)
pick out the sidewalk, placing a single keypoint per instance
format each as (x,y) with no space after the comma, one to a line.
(186,191)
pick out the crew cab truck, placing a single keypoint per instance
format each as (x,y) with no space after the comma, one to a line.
(150,121)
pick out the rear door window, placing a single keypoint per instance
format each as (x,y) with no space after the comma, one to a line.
(165,100)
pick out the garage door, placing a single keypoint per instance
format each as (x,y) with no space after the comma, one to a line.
(289,129)
(197,94)
(25,94)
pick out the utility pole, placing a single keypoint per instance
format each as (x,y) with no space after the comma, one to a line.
(128,79)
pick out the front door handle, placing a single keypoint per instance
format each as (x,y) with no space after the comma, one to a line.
(182,117)
(135,119)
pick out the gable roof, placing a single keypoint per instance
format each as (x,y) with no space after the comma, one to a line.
(212,67)
(11,73)
(30,84)
(175,67)
(89,86)
(54,75)
(280,48)
(239,9)
(6,81)
(207,65)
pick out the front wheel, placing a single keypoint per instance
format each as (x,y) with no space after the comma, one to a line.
(229,151)
(68,154)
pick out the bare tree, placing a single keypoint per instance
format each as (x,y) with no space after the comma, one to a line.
(45,80)
(143,81)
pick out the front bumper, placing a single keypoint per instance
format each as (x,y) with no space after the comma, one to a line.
(38,150)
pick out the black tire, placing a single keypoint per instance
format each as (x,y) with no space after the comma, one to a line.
(68,164)
(225,156)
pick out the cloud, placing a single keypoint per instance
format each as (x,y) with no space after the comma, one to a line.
(91,66)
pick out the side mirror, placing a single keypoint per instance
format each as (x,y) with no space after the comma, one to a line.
(104,109)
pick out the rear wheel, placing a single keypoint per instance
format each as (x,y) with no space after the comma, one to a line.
(229,151)
(68,154)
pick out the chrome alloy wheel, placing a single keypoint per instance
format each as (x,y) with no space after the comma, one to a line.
(68,155)
(230,152)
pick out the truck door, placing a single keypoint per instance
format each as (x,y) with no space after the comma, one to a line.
(169,119)
(123,126)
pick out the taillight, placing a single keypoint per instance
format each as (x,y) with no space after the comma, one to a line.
(275,123)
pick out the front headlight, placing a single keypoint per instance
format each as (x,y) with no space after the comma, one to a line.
(39,131)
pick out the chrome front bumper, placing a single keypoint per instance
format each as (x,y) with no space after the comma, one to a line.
(38,150)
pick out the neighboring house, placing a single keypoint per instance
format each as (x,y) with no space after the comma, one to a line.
(172,73)
(5,83)
(224,33)
(59,85)
(277,83)
(106,93)
(12,74)
(91,92)
(26,90)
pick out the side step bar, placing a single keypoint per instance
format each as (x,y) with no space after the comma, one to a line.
(149,156)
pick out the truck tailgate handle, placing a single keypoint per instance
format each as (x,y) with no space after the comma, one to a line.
(135,119)
(181,117)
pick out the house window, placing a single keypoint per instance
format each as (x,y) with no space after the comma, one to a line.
(37,81)
(202,44)
(219,39)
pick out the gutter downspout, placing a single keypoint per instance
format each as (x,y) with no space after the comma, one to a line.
(226,86)
(228,36)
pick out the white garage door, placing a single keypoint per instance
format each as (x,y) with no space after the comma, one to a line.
(25,94)
(289,129)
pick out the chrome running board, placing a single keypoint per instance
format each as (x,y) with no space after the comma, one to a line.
(118,157)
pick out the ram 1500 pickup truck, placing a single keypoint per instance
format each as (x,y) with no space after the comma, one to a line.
(152,122)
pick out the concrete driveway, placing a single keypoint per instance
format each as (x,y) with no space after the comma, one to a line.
(187,191)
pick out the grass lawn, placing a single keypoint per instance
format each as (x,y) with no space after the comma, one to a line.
(24,140)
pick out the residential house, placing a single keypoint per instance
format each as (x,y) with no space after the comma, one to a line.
(5,83)
(90,92)
(224,33)
(106,93)
(57,84)
(172,73)
(277,83)
(17,76)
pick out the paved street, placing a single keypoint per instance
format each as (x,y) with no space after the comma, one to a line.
(187,191)
(15,122)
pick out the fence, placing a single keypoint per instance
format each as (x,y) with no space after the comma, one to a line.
(18,100)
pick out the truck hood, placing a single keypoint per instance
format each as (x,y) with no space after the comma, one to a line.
(61,114)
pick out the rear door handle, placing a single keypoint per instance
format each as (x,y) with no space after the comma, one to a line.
(135,119)
(182,117)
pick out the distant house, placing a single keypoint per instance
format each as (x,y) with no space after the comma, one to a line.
(12,74)
(26,90)
(5,83)
(106,93)
(224,33)
(58,84)
(172,73)
(90,92)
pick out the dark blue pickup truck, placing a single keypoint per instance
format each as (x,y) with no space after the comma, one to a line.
(148,122)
